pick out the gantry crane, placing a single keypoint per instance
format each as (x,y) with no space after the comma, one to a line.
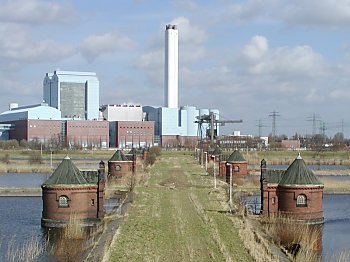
(213,123)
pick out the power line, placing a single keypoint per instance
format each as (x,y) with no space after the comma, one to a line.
(260,126)
(274,115)
(314,118)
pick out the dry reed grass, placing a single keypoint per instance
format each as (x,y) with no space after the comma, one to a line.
(70,245)
(302,241)
(29,251)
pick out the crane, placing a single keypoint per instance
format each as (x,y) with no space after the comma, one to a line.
(212,125)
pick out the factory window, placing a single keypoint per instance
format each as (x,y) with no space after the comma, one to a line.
(301,201)
(63,201)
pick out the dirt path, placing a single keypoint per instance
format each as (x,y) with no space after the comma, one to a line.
(177,217)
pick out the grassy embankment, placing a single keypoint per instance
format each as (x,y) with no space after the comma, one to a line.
(177,216)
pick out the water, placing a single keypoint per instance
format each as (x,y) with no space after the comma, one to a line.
(15,180)
(20,221)
(20,216)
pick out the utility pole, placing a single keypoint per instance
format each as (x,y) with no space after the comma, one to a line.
(214,171)
(260,126)
(314,119)
(274,115)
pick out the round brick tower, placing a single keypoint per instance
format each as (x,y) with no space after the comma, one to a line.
(238,165)
(120,165)
(69,192)
(300,193)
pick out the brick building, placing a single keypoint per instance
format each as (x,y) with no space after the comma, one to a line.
(66,133)
(131,134)
(119,165)
(70,191)
(295,193)
(236,164)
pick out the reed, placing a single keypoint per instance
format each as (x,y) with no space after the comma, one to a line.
(70,245)
(29,251)
(302,241)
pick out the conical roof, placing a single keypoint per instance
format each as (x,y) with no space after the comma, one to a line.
(299,174)
(66,174)
(217,151)
(236,156)
(118,156)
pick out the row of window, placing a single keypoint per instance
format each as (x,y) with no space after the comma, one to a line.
(301,200)
(63,201)
(135,127)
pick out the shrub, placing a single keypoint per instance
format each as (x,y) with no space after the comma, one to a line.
(150,159)
(6,159)
(35,158)
(155,150)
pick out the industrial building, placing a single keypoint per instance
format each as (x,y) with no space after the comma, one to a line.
(174,126)
(75,94)
(44,124)
(125,112)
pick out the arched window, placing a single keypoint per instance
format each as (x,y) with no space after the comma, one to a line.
(301,201)
(236,169)
(118,168)
(63,201)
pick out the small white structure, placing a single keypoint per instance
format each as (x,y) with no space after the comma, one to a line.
(122,112)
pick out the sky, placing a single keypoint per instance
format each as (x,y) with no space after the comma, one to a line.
(246,58)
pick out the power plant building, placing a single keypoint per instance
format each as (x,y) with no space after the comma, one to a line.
(75,94)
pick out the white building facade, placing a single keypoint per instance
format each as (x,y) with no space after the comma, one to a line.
(75,94)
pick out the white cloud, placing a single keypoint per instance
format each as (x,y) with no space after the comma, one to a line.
(312,13)
(298,61)
(96,45)
(36,12)
(18,46)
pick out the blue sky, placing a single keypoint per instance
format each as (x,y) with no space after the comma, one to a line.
(246,58)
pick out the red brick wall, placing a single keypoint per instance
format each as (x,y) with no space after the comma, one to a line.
(238,169)
(82,202)
(125,168)
(270,200)
(288,202)
(87,132)
(135,132)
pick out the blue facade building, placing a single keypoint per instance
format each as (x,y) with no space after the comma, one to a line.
(75,94)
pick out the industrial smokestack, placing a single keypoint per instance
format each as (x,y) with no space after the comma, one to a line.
(171,89)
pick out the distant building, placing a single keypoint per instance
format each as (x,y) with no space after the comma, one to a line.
(122,112)
(75,94)
(69,191)
(295,193)
(291,144)
(131,134)
(176,127)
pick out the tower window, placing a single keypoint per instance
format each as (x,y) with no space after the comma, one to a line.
(236,169)
(118,168)
(63,201)
(301,201)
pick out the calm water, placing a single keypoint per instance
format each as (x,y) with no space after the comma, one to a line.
(22,180)
(20,216)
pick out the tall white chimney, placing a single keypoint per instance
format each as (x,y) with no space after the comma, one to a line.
(171,89)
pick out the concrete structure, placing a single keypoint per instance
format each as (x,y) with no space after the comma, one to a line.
(295,193)
(69,191)
(291,144)
(122,112)
(75,94)
(120,165)
(130,134)
(38,111)
(171,92)
(173,126)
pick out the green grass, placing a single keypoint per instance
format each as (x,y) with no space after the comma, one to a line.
(178,217)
